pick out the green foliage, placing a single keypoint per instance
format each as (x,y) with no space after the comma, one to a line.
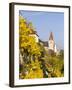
(55,66)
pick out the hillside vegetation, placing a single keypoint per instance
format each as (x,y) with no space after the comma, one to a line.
(35,61)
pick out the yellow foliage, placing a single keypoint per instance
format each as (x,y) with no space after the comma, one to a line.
(26,41)
(35,71)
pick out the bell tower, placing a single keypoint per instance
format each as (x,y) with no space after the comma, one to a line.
(51,42)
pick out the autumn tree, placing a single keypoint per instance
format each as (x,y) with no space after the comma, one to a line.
(29,49)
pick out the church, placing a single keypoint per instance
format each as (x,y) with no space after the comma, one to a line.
(48,45)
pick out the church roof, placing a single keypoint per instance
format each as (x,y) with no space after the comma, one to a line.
(51,36)
(45,43)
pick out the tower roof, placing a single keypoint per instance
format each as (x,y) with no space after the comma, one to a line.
(51,36)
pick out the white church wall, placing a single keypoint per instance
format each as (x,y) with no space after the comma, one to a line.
(55,49)
(51,44)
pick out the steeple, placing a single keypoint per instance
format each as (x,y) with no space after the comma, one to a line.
(51,36)
(51,42)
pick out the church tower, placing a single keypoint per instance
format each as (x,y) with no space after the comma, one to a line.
(51,42)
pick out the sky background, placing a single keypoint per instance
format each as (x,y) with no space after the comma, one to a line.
(46,22)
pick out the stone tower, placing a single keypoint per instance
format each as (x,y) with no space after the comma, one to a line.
(51,42)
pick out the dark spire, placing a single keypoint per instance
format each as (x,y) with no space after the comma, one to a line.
(51,36)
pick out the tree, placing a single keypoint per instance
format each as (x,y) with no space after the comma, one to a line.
(61,54)
(26,41)
(29,49)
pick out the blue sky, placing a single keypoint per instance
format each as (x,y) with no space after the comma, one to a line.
(46,22)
